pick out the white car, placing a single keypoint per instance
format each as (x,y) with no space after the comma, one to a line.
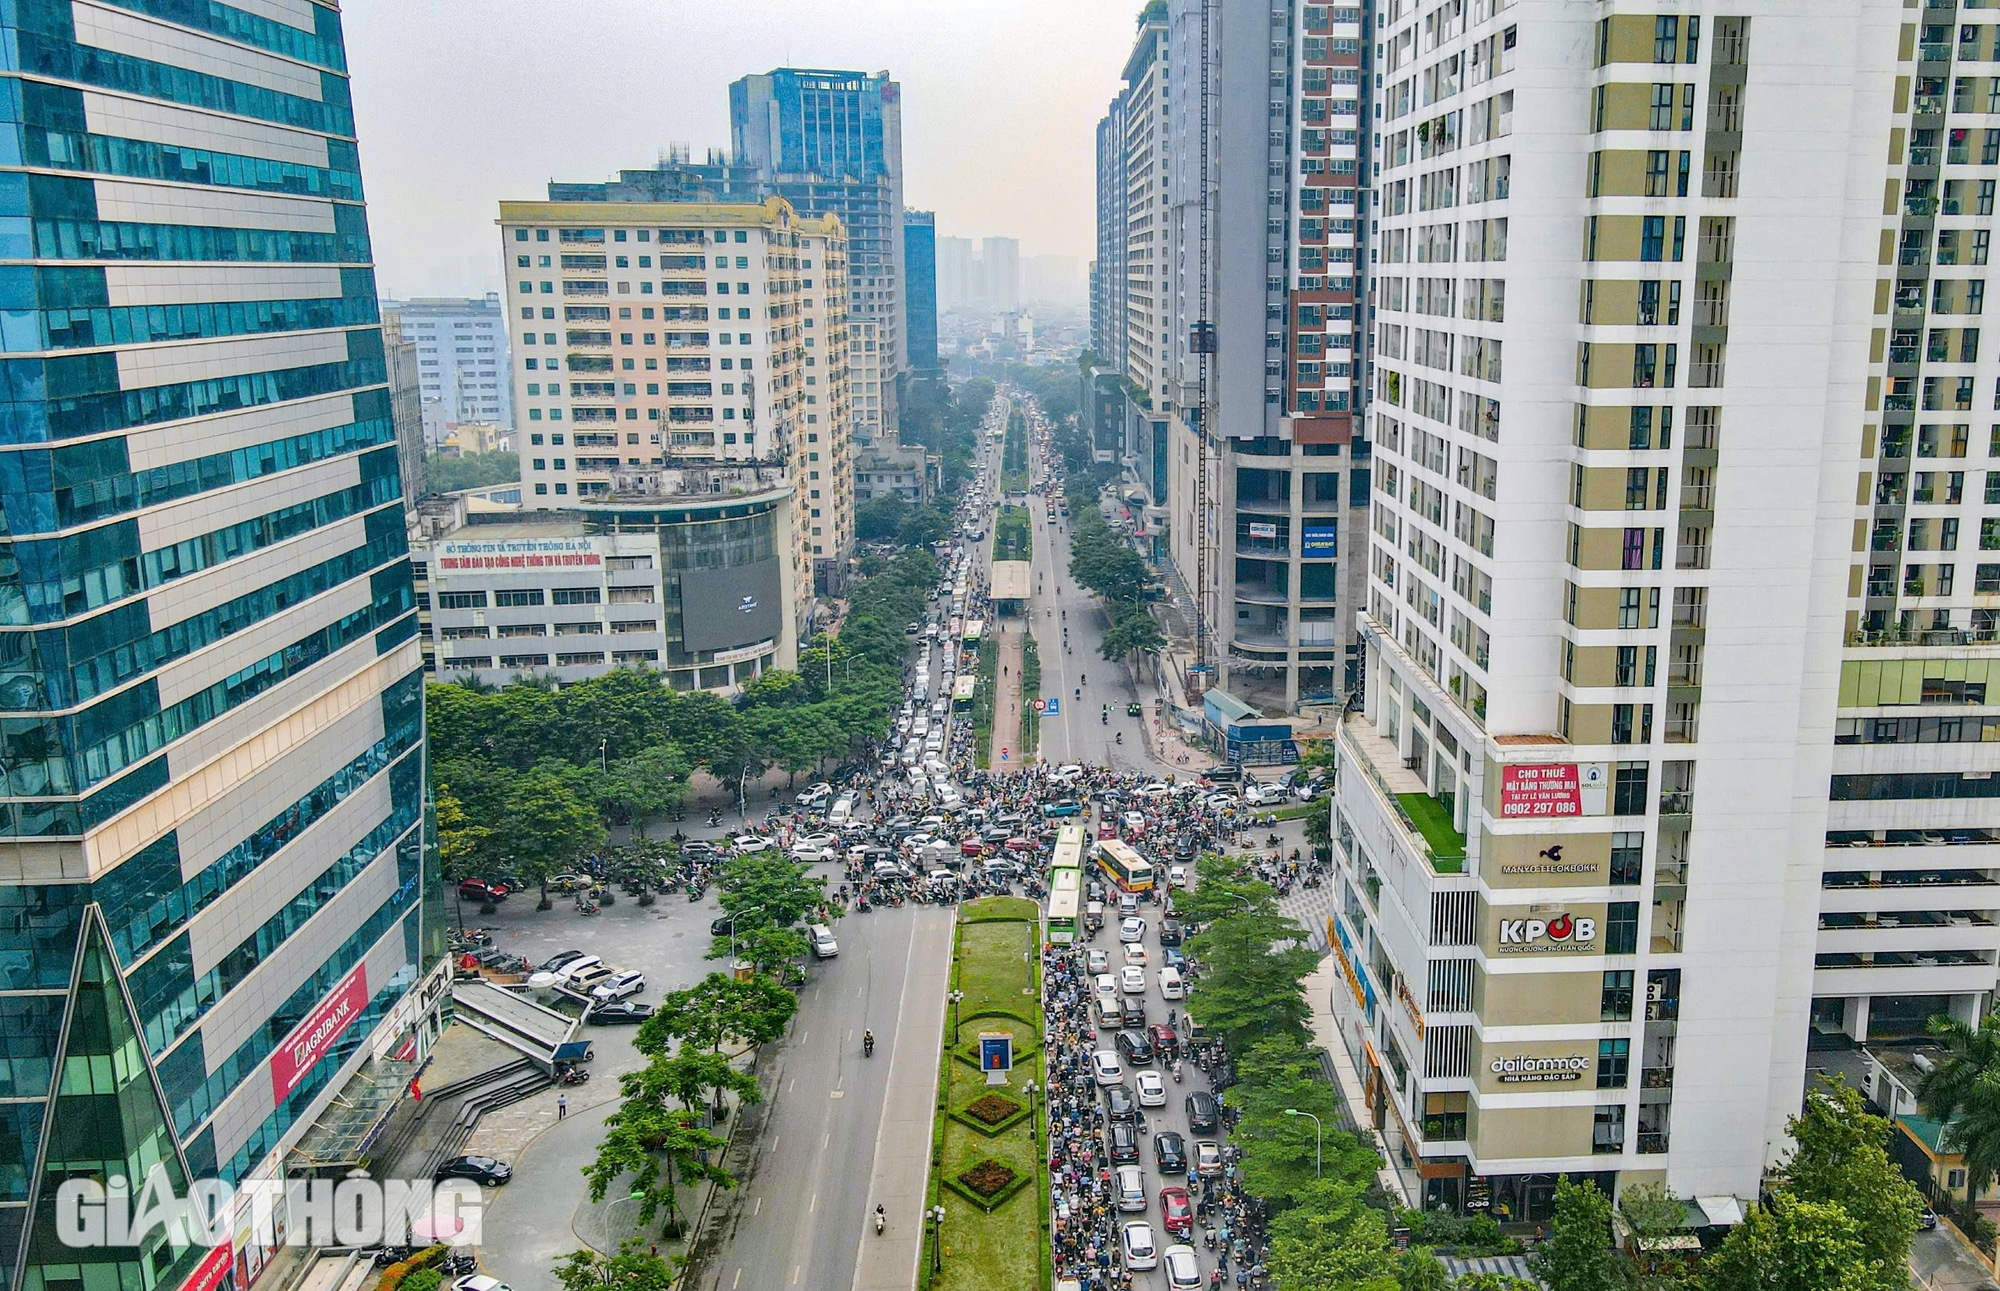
(1157,789)
(1207,1158)
(618,986)
(1152,1089)
(1104,1064)
(1135,954)
(749,843)
(1066,772)
(1183,1269)
(1177,876)
(1105,983)
(1139,1251)
(817,795)
(1129,1183)
(1097,961)
(576,968)
(936,767)
(1132,980)
(479,1282)
(818,839)
(1258,795)
(813,855)
(1130,930)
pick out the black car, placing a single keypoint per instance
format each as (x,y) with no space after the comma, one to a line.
(1170,932)
(1171,958)
(1135,1048)
(720,928)
(1170,1152)
(1132,1012)
(557,960)
(1124,1142)
(1201,1112)
(1119,1103)
(483,1170)
(619,1013)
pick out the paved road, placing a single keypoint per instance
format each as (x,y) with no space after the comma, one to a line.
(805,1195)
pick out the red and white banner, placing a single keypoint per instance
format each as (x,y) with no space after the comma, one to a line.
(1552,790)
(214,1266)
(310,1039)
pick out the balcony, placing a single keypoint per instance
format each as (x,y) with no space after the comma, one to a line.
(1424,820)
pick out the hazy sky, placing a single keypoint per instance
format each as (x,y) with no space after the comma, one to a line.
(460,103)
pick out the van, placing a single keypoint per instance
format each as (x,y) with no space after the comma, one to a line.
(823,944)
(1170,984)
(1093,916)
(842,812)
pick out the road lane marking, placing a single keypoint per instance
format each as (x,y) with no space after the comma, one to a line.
(737,1281)
(812,1205)
(790,1084)
(795,1273)
(757,1210)
(838,1093)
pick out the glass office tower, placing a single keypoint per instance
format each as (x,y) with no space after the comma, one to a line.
(210,863)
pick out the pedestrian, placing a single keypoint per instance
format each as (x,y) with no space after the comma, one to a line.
(562,1106)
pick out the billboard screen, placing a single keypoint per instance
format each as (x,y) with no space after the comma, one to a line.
(1320,541)
(725,608)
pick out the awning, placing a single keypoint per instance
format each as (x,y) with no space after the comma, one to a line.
(1721,1211)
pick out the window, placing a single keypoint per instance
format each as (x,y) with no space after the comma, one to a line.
(1615,1004)
(1628,860)
(576,596)
(1607,1130)
(532,596)
(1653,238)
(1622,728)
(1629,789)
(1621,928)
(462,600)
(1614,1060)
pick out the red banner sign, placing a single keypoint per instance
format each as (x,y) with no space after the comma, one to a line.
(1553,790)
(214,1266)
(310,1039)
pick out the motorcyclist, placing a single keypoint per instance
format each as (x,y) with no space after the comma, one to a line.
(881,1217)
(868,1042)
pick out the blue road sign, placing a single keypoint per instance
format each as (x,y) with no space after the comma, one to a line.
(1054,709)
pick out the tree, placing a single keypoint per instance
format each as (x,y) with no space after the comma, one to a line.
(769,889)
(923,528)
(1790,1245)
(660,1149)
(1419,1270)
(1251,989)
(1653,1214)
(632,1269)
(1222,887)
(547,829)
(765,949)
(1284,1157)
(1963,1092)
(882,517)
(1578,1254)
(470,470)
(692,1078)
(459,840)
(1842,1159)
(718,1008)
(649,783)
(1132,632)
(1332,1239)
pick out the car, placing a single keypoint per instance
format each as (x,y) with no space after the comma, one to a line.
(1132,1013)
(1177,876)
(1170,932)
(1065,807)
(479,1282)
(559,960)
(748,844)
(1093,891)
(1132,928)
(619,986)
(1151,1088)
(569,881)
(1066,772)
(814,796)
(578,966)
(1170,1152)
(1156,789)
(585,980)
(1176,1211)
(1207,1158)
(696,848)
(1128,903)
(1118,1104)
(1134,1048)
(1137,1238)
(1928,1221)
(819,839)
(1166,1041)
(1095,960)
(1183,1269)
(1132,980)
(890,870)
(1104,984)
(1172,958)
(1201,1112)
(720,927)
(1129,1186)
(623,1012)
(482,890)
(1135,955)
(1257,795)
(481,1170)
(1123,1143)
(1104,1065)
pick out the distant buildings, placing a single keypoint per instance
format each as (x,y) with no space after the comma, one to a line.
(920,291)
(988,279)
(461,360)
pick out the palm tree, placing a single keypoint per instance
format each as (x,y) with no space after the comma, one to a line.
(1963,1093)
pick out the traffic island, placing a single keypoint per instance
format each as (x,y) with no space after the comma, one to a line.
(987,1165)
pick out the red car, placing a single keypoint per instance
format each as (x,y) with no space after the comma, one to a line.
(1177,1213)
(1107,830)
(481,890)
(971,847)
(1018,844)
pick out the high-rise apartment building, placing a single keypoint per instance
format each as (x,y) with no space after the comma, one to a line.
(1147,94)
(689,361)
(1107,272)
(920,291)
(461,360)
(1675,684)
(1000,266)
(831,142)
(216,883)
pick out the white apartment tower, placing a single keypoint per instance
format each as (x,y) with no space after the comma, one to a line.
(1672,753)
(1146,125)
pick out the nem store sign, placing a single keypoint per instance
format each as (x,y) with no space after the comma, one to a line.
(311,1039)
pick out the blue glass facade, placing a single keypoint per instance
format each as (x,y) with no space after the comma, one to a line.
(201,539)
(920,289)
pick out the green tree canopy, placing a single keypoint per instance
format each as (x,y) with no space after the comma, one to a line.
(1790,1245)
(1251,989)
(1332,1239)
(1577,1254)
(717,1009)
(632,1269)
(1842,1158)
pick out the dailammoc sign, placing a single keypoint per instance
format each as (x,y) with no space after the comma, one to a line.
(1525,1069)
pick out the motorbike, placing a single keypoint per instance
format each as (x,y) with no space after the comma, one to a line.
(868,1046)
(574,1076)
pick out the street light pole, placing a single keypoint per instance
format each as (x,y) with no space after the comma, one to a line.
(1293,1111)
(732,933)
(955,997)
(936,1216)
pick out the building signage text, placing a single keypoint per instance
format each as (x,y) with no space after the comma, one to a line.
(310,1039)
(1538,1071)
(1563,933)
(1552,790)
(519,553)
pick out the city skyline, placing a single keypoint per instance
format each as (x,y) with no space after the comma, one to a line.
(990,143)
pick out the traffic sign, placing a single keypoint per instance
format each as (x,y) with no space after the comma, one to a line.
(1041,705)
(1055,707)
(1003,755)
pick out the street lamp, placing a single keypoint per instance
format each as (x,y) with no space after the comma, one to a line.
(955,997)
(741,809)
(1293,1111)
(732,933)
(936,1215)
(1031,1087)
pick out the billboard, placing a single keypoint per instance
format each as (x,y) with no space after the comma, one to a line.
(1550,790)
(494,555)
(725,608)
(1321,541)
(310,1039)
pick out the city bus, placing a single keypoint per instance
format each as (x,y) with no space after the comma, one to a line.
(962,692)
(1068,854)
(1065,900)
(1123,866)
(974,628)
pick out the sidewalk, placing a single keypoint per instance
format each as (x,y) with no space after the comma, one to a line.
(1007,704)
(901,1179)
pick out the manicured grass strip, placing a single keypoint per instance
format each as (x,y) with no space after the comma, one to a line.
(1433,821)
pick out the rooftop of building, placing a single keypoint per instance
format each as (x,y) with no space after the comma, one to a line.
(771,211)
(1011,580)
